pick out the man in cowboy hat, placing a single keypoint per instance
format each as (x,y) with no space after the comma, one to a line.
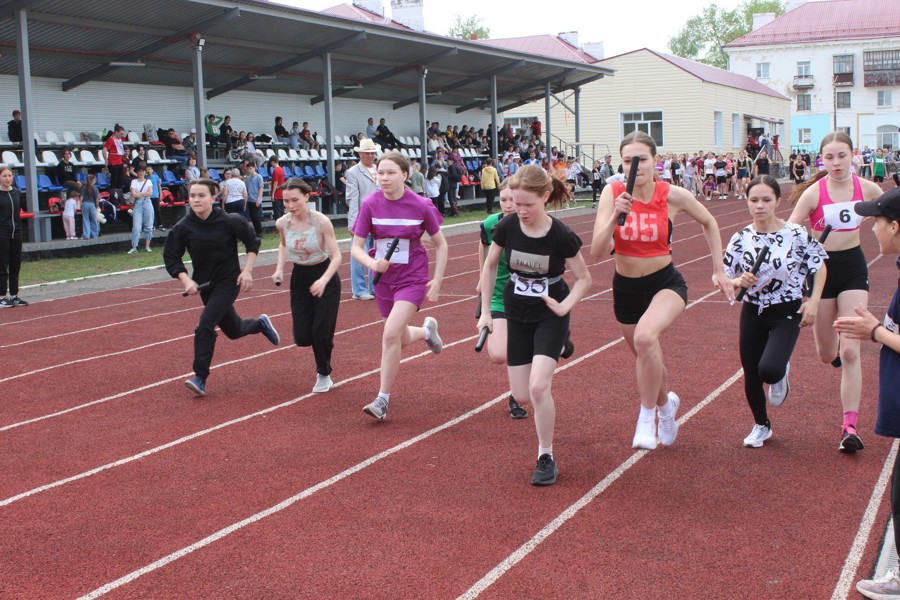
(361,181)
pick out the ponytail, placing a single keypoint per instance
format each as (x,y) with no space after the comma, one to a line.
(536,180)
(802,187)
(834,136)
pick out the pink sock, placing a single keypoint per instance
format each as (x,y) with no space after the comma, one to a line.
(850,417)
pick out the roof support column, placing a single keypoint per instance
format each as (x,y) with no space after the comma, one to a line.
(494,133)
(423,133)
(329,117)
(38,227)
(547,120)
(199,101)
(577,93)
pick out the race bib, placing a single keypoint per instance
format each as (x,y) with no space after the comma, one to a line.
(401,253)
(841,216)
(536,288)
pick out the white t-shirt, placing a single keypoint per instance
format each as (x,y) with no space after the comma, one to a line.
(140,186)
(234,190)
(709,166)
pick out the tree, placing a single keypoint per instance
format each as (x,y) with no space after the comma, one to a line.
(466,29)
(704,36)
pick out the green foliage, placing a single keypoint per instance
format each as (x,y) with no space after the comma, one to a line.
(464,29)
(704,36)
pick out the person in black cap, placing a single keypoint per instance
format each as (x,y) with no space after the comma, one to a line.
(865,326)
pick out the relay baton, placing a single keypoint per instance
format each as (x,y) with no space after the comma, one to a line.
(482,339)
(808,284)
(763,254)
(629,186)
(200,288)
(387,256)
(278,281)
(478,308)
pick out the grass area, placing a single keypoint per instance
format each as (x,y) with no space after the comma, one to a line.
(58,269)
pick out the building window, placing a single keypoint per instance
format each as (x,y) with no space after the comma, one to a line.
(762,70)
(804,102)
(804,136)
(843,63)
(888,137)
(884,98)
(650,122)
(736,139)
(717,129)
(843,130)
(803,69)
(881,60)
(842,100)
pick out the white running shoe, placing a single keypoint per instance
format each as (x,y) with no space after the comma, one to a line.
(668,427)
(323,383)
(433,341)
(779,391)
(881,589)
(645,435)
(758,435)
(377,408)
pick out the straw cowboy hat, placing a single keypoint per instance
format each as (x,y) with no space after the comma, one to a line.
(367,145)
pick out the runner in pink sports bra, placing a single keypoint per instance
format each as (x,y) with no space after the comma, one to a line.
(817,217)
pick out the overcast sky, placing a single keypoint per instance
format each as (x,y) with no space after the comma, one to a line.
(652,26)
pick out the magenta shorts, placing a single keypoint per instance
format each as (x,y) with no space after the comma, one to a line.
(387,293)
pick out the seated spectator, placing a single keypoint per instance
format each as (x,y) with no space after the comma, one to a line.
(175,149)
(384,137)
(295,131)
(14,127)
(285,137)
(139,158)
(190,142)
(251,154)
(191,172)
(307,137)
(212,128)
(65,173)
(370,128)
(226,133)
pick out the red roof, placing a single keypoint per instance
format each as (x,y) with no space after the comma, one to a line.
(551,46)
(711,74)
(348,11)
(827,21)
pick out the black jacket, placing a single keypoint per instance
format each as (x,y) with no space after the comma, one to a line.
(10,221)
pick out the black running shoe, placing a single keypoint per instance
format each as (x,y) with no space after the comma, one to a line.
(545,473)
(516,411)
(18,301)
(850,441)
(896,179)
(568,348)
(268,330)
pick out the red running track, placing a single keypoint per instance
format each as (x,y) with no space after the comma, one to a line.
(125,486)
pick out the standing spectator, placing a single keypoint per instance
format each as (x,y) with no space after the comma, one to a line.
(68,217)
(362,181)
(878,168)
(114,155)
(14,128)
(90,200)
(191,172)
(454,176)
(275,191)
(234,193)
(432,187)
(254,187)
(761,165)
(141,210)
(10,240)
(153,178)
(536,129)
(490,182)
(416,179)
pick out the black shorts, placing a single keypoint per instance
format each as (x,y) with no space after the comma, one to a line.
(847,270)
(633,295)
(878,178)
(498,314)
(524,341)
(720,179)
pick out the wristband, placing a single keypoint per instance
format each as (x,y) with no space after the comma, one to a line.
(874,329)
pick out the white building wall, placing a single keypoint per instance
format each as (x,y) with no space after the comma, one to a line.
(98,105)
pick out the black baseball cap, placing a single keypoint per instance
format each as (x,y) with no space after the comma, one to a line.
(888,206)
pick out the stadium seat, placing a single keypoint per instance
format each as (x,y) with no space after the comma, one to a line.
(310,173)
(304,154)
(169,179)
(100,160)
(51,138)
(69,138)
(134,138)
(214,175)
(320,171)
(297,172)
(87,158)
(49,158)
(45,184)
(6,143)
(267,174)
(347,142)
(292,155)
(102,180)
(11,160)
(282,155)
(20,183)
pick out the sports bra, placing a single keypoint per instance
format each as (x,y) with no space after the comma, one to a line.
(303,246)
(840,215)
(647,231)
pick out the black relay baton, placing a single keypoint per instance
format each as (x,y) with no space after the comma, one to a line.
(482,338)
(200,288)
(808,283)
(629,186)
(760,258)
(387,256)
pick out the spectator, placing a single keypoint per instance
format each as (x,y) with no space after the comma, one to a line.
(153,178)
(10,240)
(114,154)
(362,180)
(536,129)
(226,134)
(65,173)
(454,176)
(432,187)
(175,149)
(384,136)
(234,192)
(90,200)
(251,153)
(190,143)
(283,136)
(14,127)
(212,127)
(276,192)
(370,128)
(254,184)
(490,182)
(416,179)
(141,210)
(139,158)
(307,138)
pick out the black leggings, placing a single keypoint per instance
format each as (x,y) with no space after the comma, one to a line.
(218,301)
(315,319)
(10,263)
(766,343)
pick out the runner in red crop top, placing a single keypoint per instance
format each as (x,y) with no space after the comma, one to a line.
(648,230)
(648,292)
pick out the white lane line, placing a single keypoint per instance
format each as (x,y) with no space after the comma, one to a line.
(105,589)
(851,564)
(528,547)
(218,366)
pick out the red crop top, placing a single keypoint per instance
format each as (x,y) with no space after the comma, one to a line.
(647,230)
(827,213)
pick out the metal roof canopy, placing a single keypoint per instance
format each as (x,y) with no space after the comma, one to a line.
(261,46)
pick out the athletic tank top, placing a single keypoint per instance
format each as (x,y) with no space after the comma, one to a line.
(303,246)
(840,215)
(647,230)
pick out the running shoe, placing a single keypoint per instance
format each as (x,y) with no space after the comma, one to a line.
(363,297)
(148,249)
(779,391)
(850,440)
(668,427)
(268,330)
(196,385)
(886,588)
(758,435)
(433,341)
(896,178)
(645,435)
(378,408)
(7,303)
(18,301)
(568,348)
(546,472)
(132,251)
(323,383)
(516,411)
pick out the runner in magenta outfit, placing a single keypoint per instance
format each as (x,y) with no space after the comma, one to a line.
(395,211)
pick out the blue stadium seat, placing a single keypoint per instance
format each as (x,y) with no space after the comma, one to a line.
(44,183)
(20,183)
(298,172)
(267,174)
(320,171)
(169,179)
(214,175)
(102,180)
(310,172)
